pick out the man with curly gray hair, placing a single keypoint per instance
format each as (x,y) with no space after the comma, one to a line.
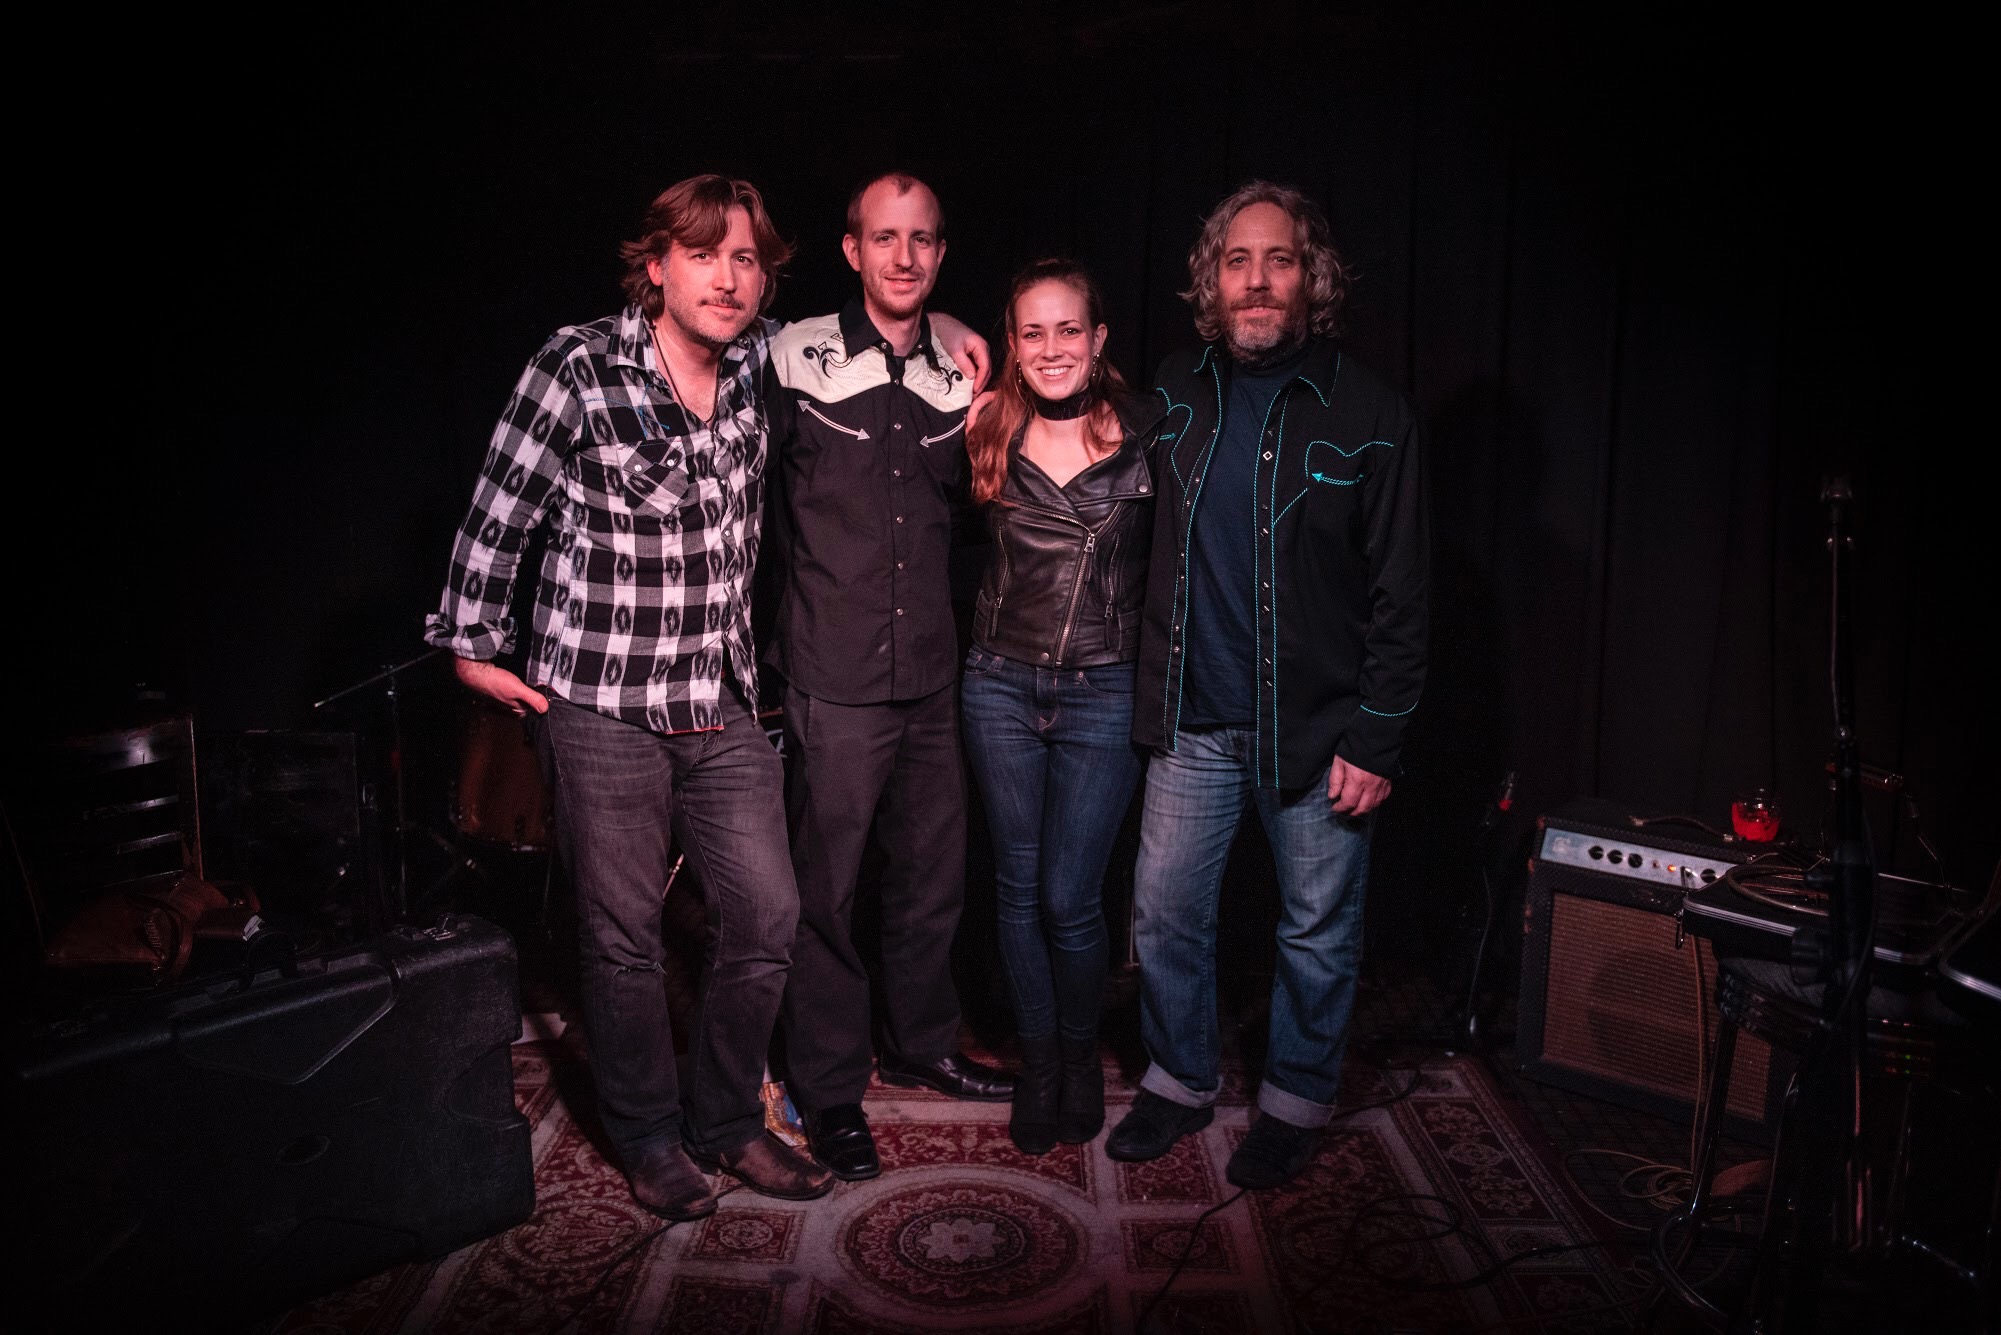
(1282,654)
(1246,322)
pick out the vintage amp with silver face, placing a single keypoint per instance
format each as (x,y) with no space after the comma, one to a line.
(1616,1000)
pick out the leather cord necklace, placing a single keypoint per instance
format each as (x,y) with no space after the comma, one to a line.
(679,398)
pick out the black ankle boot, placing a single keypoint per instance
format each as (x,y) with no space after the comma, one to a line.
(1032,1123)
(1081,1105)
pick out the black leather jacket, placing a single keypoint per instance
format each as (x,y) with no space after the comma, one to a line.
(1066,583)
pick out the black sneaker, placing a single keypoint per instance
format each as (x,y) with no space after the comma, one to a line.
(1152,1127)
(1274,1153)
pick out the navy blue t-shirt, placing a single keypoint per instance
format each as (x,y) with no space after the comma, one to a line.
(1222,560)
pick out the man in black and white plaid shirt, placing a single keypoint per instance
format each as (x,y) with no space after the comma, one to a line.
(639,441)
(655,511)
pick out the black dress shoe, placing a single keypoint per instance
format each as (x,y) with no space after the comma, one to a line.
(839,1138)
(957,1075)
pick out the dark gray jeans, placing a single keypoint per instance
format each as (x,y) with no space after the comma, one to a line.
(621,791)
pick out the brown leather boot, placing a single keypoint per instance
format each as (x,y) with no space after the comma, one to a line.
(770,1167)
(665,1180)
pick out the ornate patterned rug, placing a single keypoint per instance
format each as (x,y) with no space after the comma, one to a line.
(1403,1205)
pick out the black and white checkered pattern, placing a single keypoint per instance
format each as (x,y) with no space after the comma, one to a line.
(654,520)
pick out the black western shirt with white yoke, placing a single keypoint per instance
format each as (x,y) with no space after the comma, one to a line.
(654,519)
(871,453)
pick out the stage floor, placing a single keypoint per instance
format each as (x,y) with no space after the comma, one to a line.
(1451,1165)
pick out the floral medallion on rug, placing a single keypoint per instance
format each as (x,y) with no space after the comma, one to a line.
(963,1232)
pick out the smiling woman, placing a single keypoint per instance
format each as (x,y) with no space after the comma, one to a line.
(1064,455)
(1056,329)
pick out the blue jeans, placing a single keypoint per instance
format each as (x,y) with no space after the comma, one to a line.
(1194,799)
(1051,749)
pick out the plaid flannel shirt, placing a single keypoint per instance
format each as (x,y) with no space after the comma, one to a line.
(654,521)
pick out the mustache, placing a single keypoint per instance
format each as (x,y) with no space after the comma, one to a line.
(727,303)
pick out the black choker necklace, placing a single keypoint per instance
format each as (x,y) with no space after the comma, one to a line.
(1061,410)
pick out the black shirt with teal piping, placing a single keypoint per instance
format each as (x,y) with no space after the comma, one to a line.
(1222,560)
(1340,539)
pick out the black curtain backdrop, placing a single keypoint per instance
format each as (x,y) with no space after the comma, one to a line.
(1647,286)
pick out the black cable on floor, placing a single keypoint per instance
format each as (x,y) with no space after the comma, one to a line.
(1544,1318)
(1187,1251)
(1195,1229)
(639,1244)
(1450,1227)
(1448,1224)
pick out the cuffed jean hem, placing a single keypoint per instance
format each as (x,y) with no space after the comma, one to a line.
(1292,1109)
(1158,1081)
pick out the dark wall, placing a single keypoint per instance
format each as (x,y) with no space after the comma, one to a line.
(1646,285)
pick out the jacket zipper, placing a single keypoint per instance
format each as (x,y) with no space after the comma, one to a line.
(1112,638)
(856,432)
(1076,590)
(1000,589)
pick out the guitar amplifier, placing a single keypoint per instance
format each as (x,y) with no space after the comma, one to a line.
(204,1156)
(1616,1002)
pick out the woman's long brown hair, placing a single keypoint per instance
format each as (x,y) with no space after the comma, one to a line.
(987,442)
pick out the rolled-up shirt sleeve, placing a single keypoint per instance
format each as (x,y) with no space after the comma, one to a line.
(518,483)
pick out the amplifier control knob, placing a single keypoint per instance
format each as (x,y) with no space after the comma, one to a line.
(1597,852)
(1708,875)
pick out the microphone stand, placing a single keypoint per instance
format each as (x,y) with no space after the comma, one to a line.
(387,678)
(1852,897)
(1825,1203)
(1469,1029)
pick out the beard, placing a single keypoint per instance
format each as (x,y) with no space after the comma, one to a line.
(706,322)
(1256,344)
(899,305)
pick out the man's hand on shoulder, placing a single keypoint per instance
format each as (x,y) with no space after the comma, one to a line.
(965,347)
(497,683)
(1353,791)
(981,402)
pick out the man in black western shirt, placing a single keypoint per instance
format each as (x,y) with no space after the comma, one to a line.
(1282,655)
(871,448)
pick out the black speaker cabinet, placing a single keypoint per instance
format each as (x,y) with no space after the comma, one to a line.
(1615,1001)
(218,1151)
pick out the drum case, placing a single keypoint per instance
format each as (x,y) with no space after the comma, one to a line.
(226,1148)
